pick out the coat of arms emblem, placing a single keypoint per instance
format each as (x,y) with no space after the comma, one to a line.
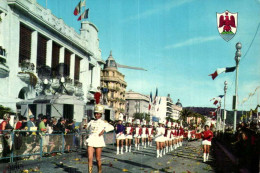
(227,25)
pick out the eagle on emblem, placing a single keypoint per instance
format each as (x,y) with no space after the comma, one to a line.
(227,22)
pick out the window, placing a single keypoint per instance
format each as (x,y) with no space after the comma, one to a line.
(77,68)
(25,43)
(41,51)
(67,62)
(55,58)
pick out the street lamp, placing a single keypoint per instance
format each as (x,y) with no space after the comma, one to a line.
(225,114)
(237,59)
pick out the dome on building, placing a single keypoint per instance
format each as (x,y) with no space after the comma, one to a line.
(110,62)
(179,103)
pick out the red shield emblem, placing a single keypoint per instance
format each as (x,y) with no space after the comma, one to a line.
(227,24)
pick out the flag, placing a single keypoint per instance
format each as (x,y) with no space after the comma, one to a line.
(156,94)
(217,99)
(77,9)
(84,15)
(150,101)
(213,113)
(222,70)
(159,103)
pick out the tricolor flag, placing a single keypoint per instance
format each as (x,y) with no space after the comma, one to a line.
(150,101)
(77,9)
(217,99)
(156,94)
(84,15)
(222,70)
(159,103)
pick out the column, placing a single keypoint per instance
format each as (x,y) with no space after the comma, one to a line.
(62,55)
(49,53)
(72,66)
(34,49)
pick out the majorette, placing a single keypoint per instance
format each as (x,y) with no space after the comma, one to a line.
(128,135)
(120,136)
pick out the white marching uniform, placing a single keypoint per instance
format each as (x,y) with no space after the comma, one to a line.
(173,134)
(144,135)
(128,134)
(95,127)
(159,137)
(150,129)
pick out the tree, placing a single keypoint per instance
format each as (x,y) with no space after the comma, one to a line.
(4,110)
(142,116)
(186,113)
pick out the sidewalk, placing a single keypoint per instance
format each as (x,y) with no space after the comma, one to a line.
(185,159)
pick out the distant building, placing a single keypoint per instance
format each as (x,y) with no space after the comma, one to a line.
(114,81)
(136,103)
(31,38)
(166,108)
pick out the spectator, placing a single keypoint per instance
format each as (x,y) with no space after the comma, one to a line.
(7,140)
(31,138)
(69,136)
(43,130)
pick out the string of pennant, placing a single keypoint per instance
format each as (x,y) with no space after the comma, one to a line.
(249,96)
(77,10)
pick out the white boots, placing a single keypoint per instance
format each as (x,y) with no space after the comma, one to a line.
(126,148)
(205,157)
(158,153)
(117,150)
(130,148)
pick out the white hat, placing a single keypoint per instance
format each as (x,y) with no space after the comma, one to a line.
(150,123)
(99,109)
(137,121)
(144,122)
(169,124)
(160,121)
(130,120)
(121,117)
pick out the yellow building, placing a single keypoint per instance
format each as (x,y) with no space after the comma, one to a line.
(112,79)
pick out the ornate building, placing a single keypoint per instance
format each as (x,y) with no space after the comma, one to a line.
(114,81)
(136,103)
(32,39)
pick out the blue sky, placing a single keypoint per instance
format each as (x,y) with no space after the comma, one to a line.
(177,41)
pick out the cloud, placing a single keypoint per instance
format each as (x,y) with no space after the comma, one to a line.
(158,9)
(192,41)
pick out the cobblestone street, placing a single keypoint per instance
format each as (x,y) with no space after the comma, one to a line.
(187,158)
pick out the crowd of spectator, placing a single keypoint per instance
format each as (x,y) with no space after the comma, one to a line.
(49,129)
(244,144)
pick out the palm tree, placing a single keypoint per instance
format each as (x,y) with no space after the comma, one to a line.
(185,113)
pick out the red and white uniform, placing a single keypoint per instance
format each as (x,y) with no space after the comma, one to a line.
(181,132)
(129,132)
(207,137)
(173,134)
(150,132)
(144,132)
(168,134)
(138,132)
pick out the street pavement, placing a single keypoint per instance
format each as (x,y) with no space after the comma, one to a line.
(187,158)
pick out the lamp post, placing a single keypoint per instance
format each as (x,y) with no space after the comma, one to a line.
(237,59)
(225,114)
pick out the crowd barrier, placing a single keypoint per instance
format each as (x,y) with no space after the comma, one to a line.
(33,144)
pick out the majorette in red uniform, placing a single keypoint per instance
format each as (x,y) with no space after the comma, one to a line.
(137,134)
(150,132)
(144,134)
(128,135)
(207,136)
(181,135)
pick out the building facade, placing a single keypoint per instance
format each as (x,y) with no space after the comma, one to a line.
(165,107)
(136,103)
(113,80)
(39,53)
